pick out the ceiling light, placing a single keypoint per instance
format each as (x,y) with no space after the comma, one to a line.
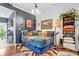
(35,11)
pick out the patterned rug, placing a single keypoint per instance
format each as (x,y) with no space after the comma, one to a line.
(26,52)
(52,52)
(63,53)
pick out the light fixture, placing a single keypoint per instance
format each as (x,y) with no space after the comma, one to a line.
(35,11)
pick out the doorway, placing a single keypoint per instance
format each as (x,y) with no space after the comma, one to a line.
(3,35)
(6,33)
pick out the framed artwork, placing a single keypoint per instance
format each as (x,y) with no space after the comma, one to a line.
(28,23)
(46,24)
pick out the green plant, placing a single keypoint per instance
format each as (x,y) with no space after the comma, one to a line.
(2,32)
(70,13)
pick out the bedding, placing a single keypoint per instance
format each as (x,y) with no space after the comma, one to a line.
(68,38)
(47,39)
(68,29)
(34,32)
(31,37)
(69,26)
(68,23)
(39,45)
(69,41)
(39,50)
(68,20)
(38,42)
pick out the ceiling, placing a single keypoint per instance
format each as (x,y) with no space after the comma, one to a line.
(29,6)
(5,12)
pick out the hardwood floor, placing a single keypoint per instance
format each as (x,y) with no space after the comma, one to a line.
(8,51)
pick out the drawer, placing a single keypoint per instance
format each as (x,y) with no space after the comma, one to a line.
(69,46)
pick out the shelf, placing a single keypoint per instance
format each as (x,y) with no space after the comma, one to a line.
(69,46)
(69,33)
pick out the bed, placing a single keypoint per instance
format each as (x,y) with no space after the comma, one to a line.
(37,44)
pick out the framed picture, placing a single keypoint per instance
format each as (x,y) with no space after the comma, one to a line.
(28,23)
(46,24)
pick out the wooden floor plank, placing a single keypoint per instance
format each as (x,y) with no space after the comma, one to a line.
(8,51)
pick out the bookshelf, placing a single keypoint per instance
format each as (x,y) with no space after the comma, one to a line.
(69,33)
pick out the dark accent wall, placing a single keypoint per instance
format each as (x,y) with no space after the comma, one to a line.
(20,19)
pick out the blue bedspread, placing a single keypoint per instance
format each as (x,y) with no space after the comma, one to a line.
(40,43)
(39,46)
(39,50)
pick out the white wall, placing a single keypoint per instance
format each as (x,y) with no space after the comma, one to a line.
(5,12)
(53,13)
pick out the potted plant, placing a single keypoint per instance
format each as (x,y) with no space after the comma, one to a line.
(2,32)
(70,13)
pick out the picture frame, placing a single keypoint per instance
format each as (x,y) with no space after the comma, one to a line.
(28,23)
(46,24)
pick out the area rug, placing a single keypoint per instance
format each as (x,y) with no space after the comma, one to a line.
(64,53)
(54,51)
(26,52)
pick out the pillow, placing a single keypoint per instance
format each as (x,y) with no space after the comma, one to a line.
(44,34)
(40,33)
(29,33)
(50,33)
(38,43)
(34,32)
